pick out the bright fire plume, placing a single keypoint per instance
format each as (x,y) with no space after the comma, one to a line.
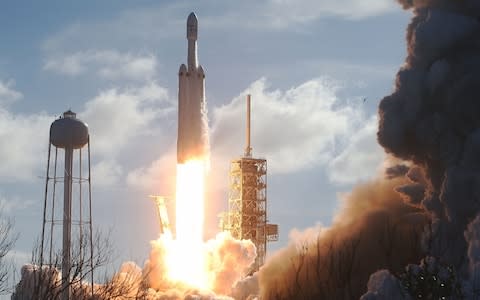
(188,264)
(185,258)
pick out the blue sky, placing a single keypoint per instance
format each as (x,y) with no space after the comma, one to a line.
(308,65)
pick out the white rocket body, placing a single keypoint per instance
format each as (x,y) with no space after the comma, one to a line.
(192,139)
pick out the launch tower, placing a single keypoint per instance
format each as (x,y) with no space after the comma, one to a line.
(247,201)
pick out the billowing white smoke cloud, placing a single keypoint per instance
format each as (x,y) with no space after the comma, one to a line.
(226,259)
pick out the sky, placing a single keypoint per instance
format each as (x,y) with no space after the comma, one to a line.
(316,71)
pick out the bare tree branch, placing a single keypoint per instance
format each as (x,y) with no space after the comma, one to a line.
(45,281)
(7,240)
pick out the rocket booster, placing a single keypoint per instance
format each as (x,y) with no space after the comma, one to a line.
(192,138)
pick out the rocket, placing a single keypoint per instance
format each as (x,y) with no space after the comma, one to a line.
(192,137)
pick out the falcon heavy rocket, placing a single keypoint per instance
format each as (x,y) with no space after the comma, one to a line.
(192,139)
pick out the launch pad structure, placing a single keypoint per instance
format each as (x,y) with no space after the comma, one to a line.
(246,217)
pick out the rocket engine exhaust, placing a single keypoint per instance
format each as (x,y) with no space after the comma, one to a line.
(185,261)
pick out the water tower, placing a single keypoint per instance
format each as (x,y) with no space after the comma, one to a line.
(74,219)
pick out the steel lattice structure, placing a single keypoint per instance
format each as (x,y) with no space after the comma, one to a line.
(246,218)
(247,206)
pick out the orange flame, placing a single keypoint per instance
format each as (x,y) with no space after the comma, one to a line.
(185,258)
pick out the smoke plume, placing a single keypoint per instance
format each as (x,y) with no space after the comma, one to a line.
(375,229)
(227,260)
(433,120)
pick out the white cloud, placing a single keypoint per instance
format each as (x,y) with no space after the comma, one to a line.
(25,140)
(10,204)
(167,20)
(24,150)
(347,68)
(283,13)
(301,120)
(19,257)
(158,177)
(8,94)
(304,127)
(287,14)
(301,128)
(106,64)
(115,117)
(296,129)
(361,157)
(106,172)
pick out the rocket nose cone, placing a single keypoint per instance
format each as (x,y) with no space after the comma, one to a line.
(192,27)
(192,19)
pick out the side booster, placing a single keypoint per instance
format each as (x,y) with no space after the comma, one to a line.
(192,139)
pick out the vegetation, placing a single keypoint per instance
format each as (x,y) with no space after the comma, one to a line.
(7,240)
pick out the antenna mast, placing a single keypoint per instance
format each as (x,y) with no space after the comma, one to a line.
(248,149)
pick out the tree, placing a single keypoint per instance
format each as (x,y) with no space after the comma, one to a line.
(44,281)
(338,263)
(7,240)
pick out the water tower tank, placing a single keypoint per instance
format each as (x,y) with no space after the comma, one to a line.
(69,132)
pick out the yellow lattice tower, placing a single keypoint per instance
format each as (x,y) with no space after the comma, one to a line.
(247,201)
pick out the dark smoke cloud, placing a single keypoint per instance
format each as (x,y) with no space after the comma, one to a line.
(396,171)
(383,285)
(465,7)
(433,120)
(414,191)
